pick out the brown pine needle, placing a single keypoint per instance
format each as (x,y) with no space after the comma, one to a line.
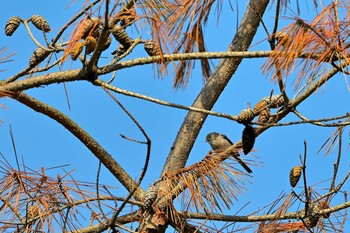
(36,201)
(325,36)
(211,184)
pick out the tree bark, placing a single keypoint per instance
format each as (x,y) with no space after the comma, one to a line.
(211,91)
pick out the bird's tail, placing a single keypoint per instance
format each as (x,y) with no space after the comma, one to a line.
(243,164)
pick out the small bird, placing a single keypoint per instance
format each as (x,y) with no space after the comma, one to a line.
(220,141)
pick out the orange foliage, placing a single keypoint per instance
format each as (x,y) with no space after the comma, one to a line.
(318,43)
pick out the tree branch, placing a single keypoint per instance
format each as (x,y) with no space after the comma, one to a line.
(214,87)
(258,218)
(102,155)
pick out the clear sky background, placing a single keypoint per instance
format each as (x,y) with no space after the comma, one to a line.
(44,143)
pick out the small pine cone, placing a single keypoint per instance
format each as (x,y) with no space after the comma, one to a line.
(121,36)
(313,216)
(90,44)
(248,139)
(262,104)
(264,115)
(40,23)
(152,48)
(324,205)
(150,196)
(38,56)
(11,25)
(89,25)
(274,101)
(76,50)
(245,116)
(294,175)
(96,35)
(107,44)
(32,212)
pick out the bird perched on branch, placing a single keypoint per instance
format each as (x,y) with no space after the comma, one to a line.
(220,141)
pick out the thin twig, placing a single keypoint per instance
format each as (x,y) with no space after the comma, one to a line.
(46,68)
(307,193)
(331,125)
(278,9)
(305,119)
(33,38)
(335,190)
(336,165)
(148,154)
(110,194)
(14,149)
(105,85)
(128,51)
(98,190)
(345,213)
(131,139)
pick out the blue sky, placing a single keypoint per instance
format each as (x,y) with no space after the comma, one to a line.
(44,143)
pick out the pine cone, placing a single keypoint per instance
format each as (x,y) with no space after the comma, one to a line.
(121,36)
(89,25)
(11,25)
(313,216)
(262,104)
(264,115)
(108,43)
(38,56)
(152,48)
(90,44)
(245,116)
(32,212)
(294,175)
(248,139)
(150,196)
(96,35)
(274,101)
(76,50)
(40,23)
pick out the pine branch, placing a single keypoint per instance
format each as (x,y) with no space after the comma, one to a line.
(107,160)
